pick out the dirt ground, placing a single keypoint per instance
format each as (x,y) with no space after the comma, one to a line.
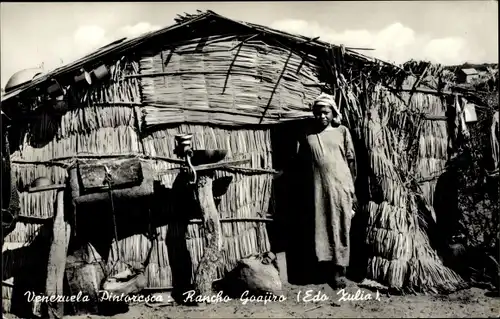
(466,303)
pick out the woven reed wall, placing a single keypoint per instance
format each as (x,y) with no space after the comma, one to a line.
(401,256)
(432,151)
(226,81)
(433,140)
(248,196)
(101,120)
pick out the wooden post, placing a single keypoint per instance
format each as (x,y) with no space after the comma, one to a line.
(206,272)
(212,258)
(57,261)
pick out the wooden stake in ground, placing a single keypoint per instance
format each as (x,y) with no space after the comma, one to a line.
(57,261)
(212,258)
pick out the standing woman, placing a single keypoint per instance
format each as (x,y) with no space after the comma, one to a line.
(327,165)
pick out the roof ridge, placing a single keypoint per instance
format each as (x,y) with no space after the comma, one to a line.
(121,46)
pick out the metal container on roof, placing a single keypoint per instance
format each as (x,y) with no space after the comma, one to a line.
(21,77)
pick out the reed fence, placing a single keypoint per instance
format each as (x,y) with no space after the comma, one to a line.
(401,253)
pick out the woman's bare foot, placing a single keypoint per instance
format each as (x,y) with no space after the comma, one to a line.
(339,279)
(341,282)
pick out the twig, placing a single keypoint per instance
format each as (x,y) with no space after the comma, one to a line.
(211,166)
(368,49)
(155,74)
(313,308)
(251,170)
(80,156)
(423,90)
(161,305)
(276,86)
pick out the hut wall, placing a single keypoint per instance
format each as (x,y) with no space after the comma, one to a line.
(101,120)
(433,136)
(247,197)
(433,143)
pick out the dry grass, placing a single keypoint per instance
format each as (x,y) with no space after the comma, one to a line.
(401,257)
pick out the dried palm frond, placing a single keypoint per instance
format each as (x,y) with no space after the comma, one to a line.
(394,137)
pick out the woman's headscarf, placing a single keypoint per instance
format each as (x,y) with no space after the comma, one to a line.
(327,100)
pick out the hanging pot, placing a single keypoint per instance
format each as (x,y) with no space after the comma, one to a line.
(83,79)
(60,106)
(22,77)
(183,144)
(101,73)
(55,90)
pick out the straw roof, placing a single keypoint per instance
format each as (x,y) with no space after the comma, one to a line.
(121,46)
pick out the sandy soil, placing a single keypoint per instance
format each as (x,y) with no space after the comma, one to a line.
(466,303)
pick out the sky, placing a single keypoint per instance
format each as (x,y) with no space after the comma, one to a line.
(446,32)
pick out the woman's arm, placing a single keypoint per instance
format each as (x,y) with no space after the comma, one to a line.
(349,151)
(352,168)
(351,161)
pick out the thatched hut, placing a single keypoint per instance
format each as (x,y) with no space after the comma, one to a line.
(228,88)
(232,85)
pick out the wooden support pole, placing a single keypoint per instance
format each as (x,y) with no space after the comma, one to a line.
(211,166)
(206,273)
(57,261)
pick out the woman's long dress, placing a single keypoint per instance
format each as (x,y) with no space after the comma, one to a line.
(325,197)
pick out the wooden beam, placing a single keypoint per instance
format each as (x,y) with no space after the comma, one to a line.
(205,167)
(43,220)
(158,74)
(424,90)
(58,160)
(436,117)
(57,261)
(33,219)
(212,258)
(367,49)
